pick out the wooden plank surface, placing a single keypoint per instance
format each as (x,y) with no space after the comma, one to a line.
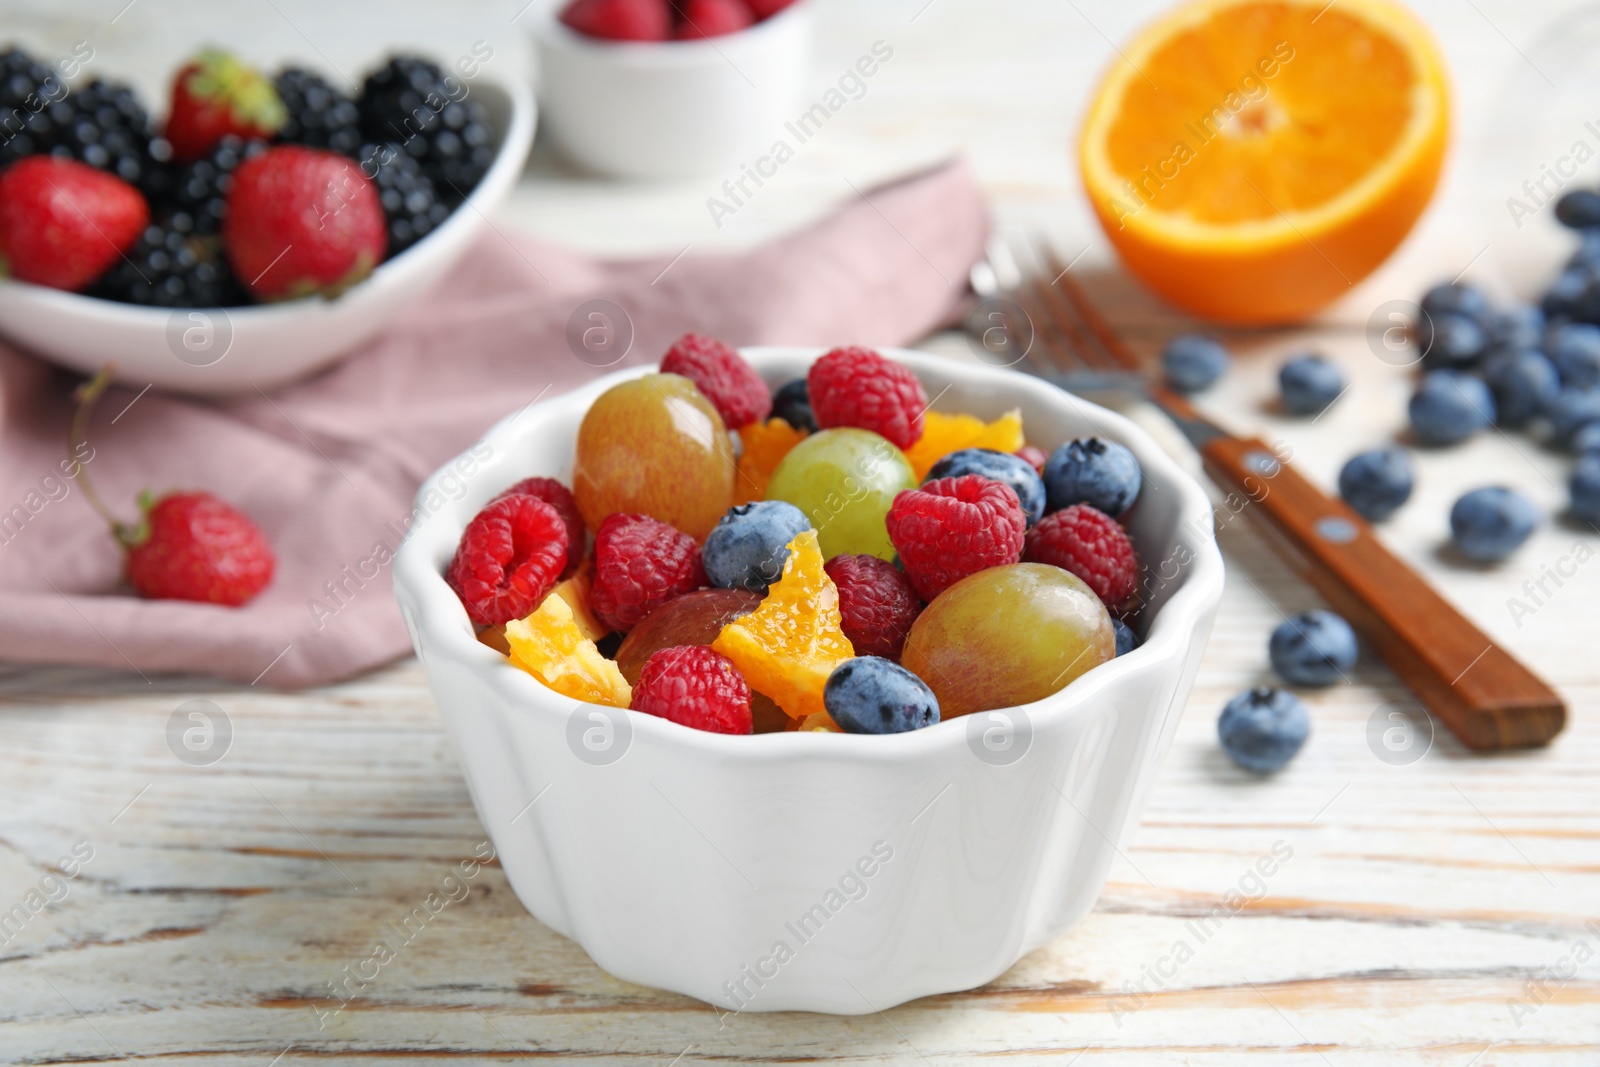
(1431,912)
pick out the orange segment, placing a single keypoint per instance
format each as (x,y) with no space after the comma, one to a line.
(789,645)
(765,445)
(549,645)
(943,434)
(1251,160)
(575,591)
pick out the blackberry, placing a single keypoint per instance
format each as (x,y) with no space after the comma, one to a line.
(104,125)
(200,190)
(320,116)
(173,266)
(27,89)
(412,102)
(410,202)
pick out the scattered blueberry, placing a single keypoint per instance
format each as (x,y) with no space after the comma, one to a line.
(1102,474)
(1524,382)
(872,695)
(1561,299)
(1450,406)
(1003,467)
(1517,327)
(748,546)
(792,404)
(1579,209)
(1585,439)
(1585,487)
(1193,362)
(1127,640)
(1491,523)
(1309,383)
(1575,350)
(1570,411)
(1587,254)
(1451,341)
(1262,729)
(1453,298)
(1377,482)
(1315,648)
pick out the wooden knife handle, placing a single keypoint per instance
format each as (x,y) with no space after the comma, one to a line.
(1480,691)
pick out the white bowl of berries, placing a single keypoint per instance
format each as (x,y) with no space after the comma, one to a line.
(652,89)
(794,784)
(267,227)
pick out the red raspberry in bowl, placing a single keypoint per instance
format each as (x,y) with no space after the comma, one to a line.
(1090,544)
(559,497)
(695,686)
(721,373)
(858,387)
(876,603)
(509,558)
(620,20)
(953,527)
(1033,455)
(713,18)
(640,563)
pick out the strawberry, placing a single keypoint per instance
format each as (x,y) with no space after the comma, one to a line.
(186,546)
(62,223)
(620,20)
(214,96)
(713,18)
(765,9)
(301,221)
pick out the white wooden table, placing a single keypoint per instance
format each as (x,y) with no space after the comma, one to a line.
(1432,911)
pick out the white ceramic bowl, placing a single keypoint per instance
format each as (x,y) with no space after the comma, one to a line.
(672,109)
(888,867)
(228,350)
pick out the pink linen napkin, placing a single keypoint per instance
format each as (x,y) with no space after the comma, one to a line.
(328,466)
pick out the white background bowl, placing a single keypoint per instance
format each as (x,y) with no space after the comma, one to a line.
(677,858)
(671,109)
(226,350)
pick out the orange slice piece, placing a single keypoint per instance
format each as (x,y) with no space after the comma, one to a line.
(575,591)
(765,445)
(789,645)
(943,434)
(1251,160)
(549,645)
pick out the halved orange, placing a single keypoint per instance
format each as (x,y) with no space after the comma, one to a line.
(1252,160)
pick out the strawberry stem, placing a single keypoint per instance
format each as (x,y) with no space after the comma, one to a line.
(85,397)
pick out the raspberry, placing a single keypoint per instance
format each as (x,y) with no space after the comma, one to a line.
(640,563)
(509,558)
(713,18)
(694,686)
(620,20)
(858,387)
(559,497)
(732,385)
(877,603)
(1034,455)
(953,527)
(1090,544)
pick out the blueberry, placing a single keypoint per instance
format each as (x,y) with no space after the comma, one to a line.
(1585,487)
(1518,327)
(748,546)
(1453,298)
(1587,256)
(1570,411)
(1450,406)
(1315,648)
(1585,438)
(1127,640)
(1309,383)
(1575,350)
(1193,362)
(1002,467)
(1448,340)
(1561,299)
(1524,382)
(1579,209)
(1491,523)
(1262,729)
(872,695)
(1377,482)
(792,404)
(1102,474)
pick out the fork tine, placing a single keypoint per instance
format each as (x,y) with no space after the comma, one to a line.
(1073,350)
(1113,346)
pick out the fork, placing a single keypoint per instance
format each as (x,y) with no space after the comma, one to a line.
(1478,690)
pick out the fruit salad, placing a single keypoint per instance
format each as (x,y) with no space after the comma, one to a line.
(831,556)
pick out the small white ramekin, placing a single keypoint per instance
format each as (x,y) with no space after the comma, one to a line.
(670,109)
(818,872)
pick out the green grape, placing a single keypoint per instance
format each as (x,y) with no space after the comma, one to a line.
(1007,636)
(844,480)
